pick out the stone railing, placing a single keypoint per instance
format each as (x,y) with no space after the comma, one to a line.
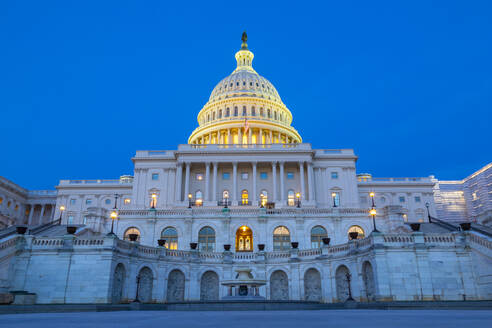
(96,182)
(480,241)
(244,147)
(393,180)
(32,193)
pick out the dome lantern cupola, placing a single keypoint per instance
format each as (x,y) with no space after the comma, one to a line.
(244,108)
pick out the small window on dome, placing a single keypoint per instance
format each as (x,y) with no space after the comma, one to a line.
(253,111)
(244,82)
(269,113)
(275,115)
(237,84)
(213,116)
(235,111)
(262,113)
(244,111)
(263,86)
(220,113)
(250,84)
(257,85)
(231,84)
(228,112)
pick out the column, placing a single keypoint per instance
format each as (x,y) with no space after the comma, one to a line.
(271,136)
(179,178)
(282,191)
(41,214)
(240,136)
(207,181)
(29,222)
(187,180)
(259,140)
(254,182)
(274,178)
(229,136)
(310,181)
(329,201)
(250,141)
(301,174)
(234,182)
(210,138)
(214,189)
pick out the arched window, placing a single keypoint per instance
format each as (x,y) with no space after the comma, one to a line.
(253,111)
(269,113)
(275,115)
(335,199)
(220,113)
(263,198)
(132,231)
(171,236)
(198,198)
(244,239)
(153,200)
(317,235)
(228,112)
(291,198)
(281,239)
(206,239)
(213,116)
(262,113)
(225,194)
(359,230)
(244,197)
(244,111)
(235,111)
(208,117)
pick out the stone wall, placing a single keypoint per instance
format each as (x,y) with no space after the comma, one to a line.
(382,267)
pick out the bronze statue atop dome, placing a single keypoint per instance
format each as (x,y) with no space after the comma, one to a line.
(244,38)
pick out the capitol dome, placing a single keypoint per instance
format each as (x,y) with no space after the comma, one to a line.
(244,108)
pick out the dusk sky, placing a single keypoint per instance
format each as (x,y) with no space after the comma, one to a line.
(84,84)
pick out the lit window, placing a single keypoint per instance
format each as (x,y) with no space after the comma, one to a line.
(107,201)
(225,194)
(72,201)
(335,198)
(198,198)
(127,201)
(263,198)
(281,239)
(245,197)
(263,175)
(334,175)
(155,176)
(290,198)
(132,231)
(417,199)
(402,199)
(359,230)
(88,201)
(171,236)
(153,200)
(290,175)
(226,176)
(199,176)
(244,176)
(474,196)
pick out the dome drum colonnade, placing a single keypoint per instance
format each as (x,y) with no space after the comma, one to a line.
(244,108)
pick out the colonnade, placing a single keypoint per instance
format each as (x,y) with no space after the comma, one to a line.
(307,192)
(238,136)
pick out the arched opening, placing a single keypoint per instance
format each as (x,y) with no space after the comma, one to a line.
(175,286)
(118,283)
(209,286)
(145,284)
(206,239)
(132,233)
(359,230)
(281,239)
(244,197)
(171,236)
(279,286)
(312,285)
(244,239)
(198,198)
(369,283)
(317,235)
(342,281)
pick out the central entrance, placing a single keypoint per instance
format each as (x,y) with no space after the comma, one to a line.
(244,239)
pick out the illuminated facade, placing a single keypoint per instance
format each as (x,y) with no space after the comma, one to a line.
(246,193)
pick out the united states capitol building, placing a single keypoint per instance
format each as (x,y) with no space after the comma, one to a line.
(247,210)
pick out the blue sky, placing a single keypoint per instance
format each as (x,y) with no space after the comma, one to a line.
(84,84)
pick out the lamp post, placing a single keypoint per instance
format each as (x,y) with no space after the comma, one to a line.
(373,214)
(62,208)
(298,199)
(189,200)
(113,216)
(349,277)
(138,285)
(428,212)
(154,200)
(226,200)
(333,196)
(371,194)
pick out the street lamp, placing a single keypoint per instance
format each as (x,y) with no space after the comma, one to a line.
(189,200)
(298,198)
(428,212)
(226,197)
(113,216)
(371,194)
(333,196)
(154,200)
(373,214)
(62,208)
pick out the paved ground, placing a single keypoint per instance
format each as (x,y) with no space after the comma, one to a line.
(256,319)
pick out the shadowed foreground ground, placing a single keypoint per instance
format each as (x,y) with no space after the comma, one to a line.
(256,319)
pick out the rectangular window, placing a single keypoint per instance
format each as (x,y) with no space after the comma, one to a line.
(85,219)
(108,201)
(334,175)
(244,176)
(363,199)
(72,201)
(263,175)
(155,176)
(226,176)
(199,176)
(402,199)
(127,201)
(417,199)
(335,198)
(70,219)
(88,201)
(290,175)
